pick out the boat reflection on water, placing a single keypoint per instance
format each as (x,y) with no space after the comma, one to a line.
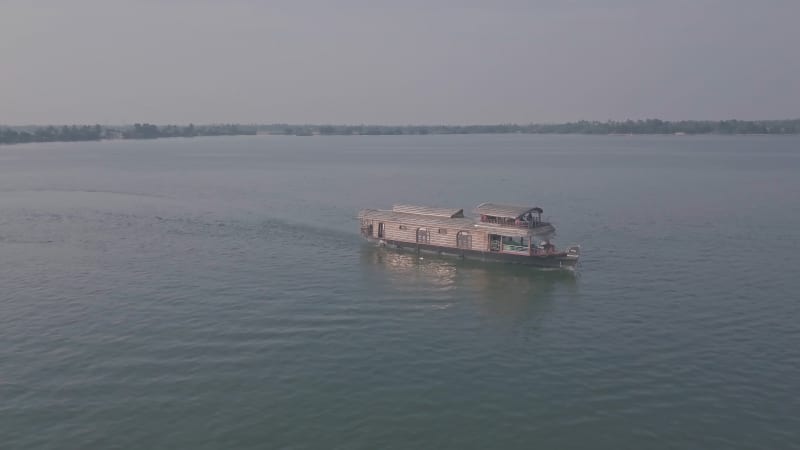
(437,272)
(500,289)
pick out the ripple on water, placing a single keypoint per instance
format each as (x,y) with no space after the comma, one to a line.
(236,306)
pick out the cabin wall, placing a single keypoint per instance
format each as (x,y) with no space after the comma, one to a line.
(480,240)
(392,231)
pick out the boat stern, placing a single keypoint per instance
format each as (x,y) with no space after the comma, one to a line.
(574,251)
(571,257)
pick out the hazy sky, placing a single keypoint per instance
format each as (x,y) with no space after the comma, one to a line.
(400,62)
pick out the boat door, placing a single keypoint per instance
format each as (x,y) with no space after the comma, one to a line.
(495,242)
(380,230)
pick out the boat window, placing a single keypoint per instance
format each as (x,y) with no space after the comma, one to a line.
(442,230)
(402,227)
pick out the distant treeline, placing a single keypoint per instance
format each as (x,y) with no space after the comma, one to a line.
(15,135)
(18,135)
(650,126)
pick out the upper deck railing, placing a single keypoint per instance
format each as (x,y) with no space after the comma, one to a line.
(532,222)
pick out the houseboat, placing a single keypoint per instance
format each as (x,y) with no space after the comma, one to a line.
(506,233)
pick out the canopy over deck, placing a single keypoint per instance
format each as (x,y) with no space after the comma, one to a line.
(450,213)
(506,211)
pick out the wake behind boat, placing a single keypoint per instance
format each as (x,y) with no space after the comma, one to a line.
(505,233)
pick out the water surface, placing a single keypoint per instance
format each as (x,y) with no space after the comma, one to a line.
(214,293)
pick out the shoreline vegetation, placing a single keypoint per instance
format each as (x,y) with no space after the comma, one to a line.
(73,133)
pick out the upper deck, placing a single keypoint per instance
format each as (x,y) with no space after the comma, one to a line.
(513,216)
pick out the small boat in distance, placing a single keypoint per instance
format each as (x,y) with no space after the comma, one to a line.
(505,233)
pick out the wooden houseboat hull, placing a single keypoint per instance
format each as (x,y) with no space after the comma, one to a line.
(560,260)
(504,233)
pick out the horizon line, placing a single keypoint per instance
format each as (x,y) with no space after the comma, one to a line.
(321,124)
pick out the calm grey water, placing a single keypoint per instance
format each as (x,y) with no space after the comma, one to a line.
(213,293)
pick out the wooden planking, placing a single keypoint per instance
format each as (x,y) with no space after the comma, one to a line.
(449,213)
(393,232)
(419,220)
